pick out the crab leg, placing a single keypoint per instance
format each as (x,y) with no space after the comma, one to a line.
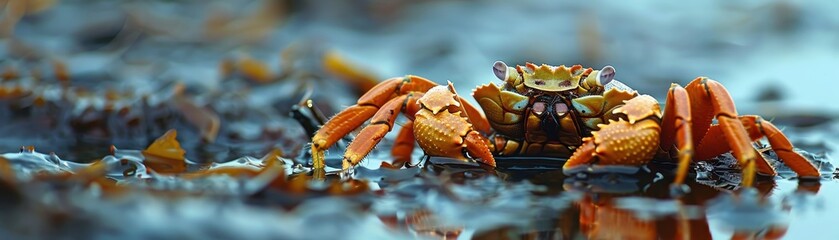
(781,145)
(703,91)
(380,124)
(714,144)
(404,144)
(476,117)
(676,129)
(336,128)
(757,129)
(763,166)
(351,118)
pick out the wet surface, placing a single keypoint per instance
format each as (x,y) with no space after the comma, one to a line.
(189,120)
(439,197)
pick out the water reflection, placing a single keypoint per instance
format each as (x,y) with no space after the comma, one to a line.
(439,198)
(644,215)
(602,207)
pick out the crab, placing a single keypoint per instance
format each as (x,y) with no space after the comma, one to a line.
(439,120)
(582,114)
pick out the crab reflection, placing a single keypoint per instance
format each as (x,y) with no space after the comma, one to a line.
(636,206)
(746,214)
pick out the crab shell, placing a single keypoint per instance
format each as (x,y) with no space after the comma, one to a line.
(441,126)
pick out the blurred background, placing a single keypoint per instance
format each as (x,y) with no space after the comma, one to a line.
(188,63)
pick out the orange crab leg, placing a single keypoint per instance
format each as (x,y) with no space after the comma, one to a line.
(676,129)
(763,166)
(351,118)
(476,117)
(758,128)
(714,143)
(393,87)
(781,145)
(380,124)
(404,145)
(476,146)
(703,91)
(336,128)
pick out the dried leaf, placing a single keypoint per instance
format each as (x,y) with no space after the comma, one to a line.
(362,80)
(254,70)
(269,161)
(9,73)
(7,173)
(61,71)
(165,154)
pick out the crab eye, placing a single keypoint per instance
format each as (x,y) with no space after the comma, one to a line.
(561,109)
(539,82)
(500,70)
(606,75)
(539,108)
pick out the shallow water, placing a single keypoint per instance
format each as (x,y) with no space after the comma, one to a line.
(438,198)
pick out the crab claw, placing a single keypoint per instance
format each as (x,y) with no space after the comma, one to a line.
(581,158)
(619,146)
